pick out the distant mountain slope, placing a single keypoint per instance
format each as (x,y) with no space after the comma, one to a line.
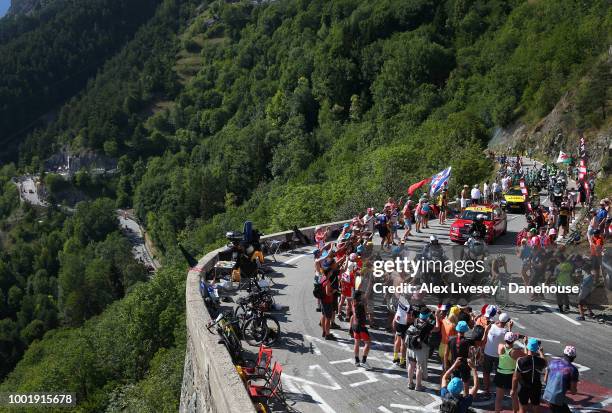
(20,7)
(47,57)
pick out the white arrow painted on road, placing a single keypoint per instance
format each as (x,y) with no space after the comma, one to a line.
(332,386)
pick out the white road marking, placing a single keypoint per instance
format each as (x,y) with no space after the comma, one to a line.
(519,325)
(384,409)
(428,408)
(317,397)
(371,377)
(562,315)
(332,386)
(341,361)
(337,344)
(293,259)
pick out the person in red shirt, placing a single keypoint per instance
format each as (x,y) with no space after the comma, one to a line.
(597,242)
(327,303)
(347,285)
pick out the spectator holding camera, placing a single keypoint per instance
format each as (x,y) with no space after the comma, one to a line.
(528,374)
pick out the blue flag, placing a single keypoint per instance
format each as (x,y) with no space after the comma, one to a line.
(438,180)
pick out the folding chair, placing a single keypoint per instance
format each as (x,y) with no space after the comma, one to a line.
(272,389)
(274,247)
(261,369)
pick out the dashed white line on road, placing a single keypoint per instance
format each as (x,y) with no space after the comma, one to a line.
(294,259)
(384,409)
(562,315)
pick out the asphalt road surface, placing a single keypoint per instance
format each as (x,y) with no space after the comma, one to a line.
(320,375)
(134,233)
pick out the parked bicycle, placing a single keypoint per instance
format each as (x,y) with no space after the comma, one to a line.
(260,327)
(228,328)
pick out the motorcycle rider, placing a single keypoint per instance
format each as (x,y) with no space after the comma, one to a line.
(478,226)
(433,249)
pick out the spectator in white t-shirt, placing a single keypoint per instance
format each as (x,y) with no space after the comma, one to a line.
(475,195)
(494,336)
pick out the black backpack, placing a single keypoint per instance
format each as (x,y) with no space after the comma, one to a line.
(476,334)
(317,291)
(450,404)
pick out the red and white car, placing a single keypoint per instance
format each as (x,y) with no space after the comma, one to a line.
(494,219)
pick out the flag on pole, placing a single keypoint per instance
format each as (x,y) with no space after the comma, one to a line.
(525,193)
(438,180)
(582,148)
(563,158)
(416,186)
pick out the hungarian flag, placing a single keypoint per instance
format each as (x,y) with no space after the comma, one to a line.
(563,158)
(416,186)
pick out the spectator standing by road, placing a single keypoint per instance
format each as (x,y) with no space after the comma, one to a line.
(327,302)
(561,377)
(443,206)
(475,195)
(528,374)
(450,391)
(486,192)
(586,289)
(464,197)
(459,346)
(505,371)
(359,329)
(597,243)
(418,349)
(493,337)
(408,216)
(447,330)
(403,318)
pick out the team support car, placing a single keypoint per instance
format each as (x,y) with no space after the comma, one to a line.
(514,200)
(494,220)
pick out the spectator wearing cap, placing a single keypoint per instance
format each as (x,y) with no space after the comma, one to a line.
(475,195)
(459,347)
(561,376)
(451,388)
(505,370)
(493,337)
(528,374)
(418,348)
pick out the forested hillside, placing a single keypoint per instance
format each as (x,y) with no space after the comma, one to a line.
(47,57)
(288,113)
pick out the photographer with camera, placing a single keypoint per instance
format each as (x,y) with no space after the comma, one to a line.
(450,391)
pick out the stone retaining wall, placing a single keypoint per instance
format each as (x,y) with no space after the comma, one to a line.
(210,381)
